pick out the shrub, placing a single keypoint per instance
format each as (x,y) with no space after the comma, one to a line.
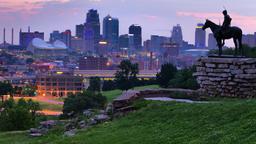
(184,79)
(86,100)
(18,116)
(166,74)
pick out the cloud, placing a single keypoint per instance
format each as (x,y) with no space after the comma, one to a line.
(247,23)
(25,6)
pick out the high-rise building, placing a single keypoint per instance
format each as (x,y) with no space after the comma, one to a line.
(136,31)
(66,38)
(93,63)
(55,35)
(124,41)
(27,37)
(80,31)
(200,36)
(177,35)
(111,31)
(63,36)
(92,30)
(211,41)
(157,41)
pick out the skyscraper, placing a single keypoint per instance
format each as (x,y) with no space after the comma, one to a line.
(136,31)
(92,25)
(63,36)
(211,41)
(80,31)
(111,31)
(200,36)
(124,41)
(177,35)
(55,35)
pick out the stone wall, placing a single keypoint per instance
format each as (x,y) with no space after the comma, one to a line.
(227,77)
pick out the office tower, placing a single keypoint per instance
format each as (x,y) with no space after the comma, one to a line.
(157,41)
(211,41)
(66,38)
(136,31)
(92,30)
(124,41)
(111,31)
(200,36)
(177,35)
(55,35)
(80,31)
(27,37)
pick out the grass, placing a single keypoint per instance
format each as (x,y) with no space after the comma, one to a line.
(223,122)
(49,106)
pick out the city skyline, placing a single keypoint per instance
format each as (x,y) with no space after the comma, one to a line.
(156,18)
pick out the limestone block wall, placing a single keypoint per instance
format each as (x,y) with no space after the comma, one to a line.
(227,77)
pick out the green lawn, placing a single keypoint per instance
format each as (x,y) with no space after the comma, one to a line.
(222,122)
(50,106)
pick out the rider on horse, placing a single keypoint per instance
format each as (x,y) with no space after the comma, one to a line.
(226,24)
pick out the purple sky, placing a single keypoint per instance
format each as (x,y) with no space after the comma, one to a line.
(155,16)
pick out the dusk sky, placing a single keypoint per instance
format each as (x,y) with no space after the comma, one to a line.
(155,16)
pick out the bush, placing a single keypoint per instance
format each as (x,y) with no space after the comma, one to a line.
(95,84)
(86,100)
(166,74)
(18,116)
(184,79)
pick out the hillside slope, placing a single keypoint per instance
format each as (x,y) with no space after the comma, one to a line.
(164,123)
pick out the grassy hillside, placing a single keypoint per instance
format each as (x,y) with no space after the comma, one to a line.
(165,122)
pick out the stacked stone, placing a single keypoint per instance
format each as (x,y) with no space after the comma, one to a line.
(227,77)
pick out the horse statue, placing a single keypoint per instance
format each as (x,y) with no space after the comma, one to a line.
(232,32)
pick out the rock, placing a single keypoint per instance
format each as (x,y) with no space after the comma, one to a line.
(70,133)
(34,130)
(92,122)
(88,113)
(82,124)
(109,109)
(48,124)
(102,118)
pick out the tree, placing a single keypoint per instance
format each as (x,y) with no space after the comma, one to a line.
(126,76)
(79,102)
(167,72)
(184,79)
(19,115)
(5,89)
(95,84)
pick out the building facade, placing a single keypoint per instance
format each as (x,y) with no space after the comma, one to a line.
(111,31)
(136,31)
(177,36)
(212,44)
(200,36)
(59,84)
(93,63)
(27,37)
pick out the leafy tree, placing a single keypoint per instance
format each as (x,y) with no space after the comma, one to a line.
(79,102)
(184,79)
(95,84)
(167,72)
(109,85)
(18,116)
(126,76)
(5,89)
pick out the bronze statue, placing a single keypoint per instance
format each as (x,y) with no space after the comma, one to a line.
(221,33)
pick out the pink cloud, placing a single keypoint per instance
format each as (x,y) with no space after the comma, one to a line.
(247,23)
(25,6)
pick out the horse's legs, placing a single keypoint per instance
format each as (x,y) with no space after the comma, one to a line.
(235,42)
(241,46)
(219,42)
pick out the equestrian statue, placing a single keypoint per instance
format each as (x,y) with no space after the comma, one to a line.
(221,33)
